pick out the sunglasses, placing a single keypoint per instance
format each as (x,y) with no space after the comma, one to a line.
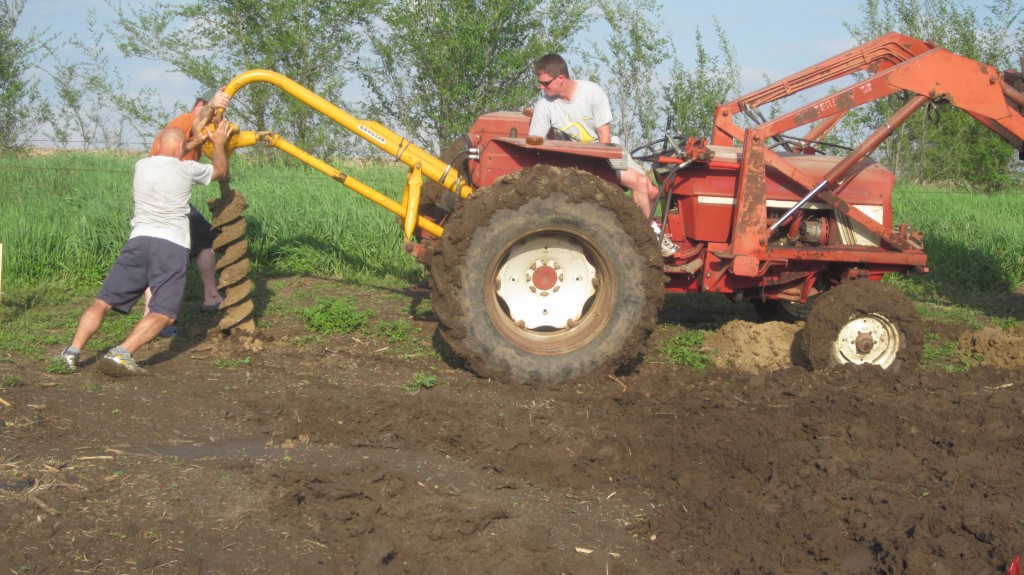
(546,84)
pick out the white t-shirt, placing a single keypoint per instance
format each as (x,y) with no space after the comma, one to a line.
(578,118)
(161,188)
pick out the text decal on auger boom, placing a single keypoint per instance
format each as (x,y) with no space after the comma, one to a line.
(370,133)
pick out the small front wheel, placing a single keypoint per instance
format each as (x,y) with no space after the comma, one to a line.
(863,323)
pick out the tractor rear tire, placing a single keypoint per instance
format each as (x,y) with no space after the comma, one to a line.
(545,276)
(863,322)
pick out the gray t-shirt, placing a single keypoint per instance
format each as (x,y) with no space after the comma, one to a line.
(161,188)
(578,118)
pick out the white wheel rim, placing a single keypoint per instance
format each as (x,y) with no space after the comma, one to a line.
(546,282)
(871,339)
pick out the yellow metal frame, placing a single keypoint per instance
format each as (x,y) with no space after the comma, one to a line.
(421,163)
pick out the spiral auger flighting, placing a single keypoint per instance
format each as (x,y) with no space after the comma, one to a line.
(233,264)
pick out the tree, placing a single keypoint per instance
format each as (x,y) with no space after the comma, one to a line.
(18,93)
(310,41)
(435,65)
(690,96)
(89,105)
(941,144)
(626,65)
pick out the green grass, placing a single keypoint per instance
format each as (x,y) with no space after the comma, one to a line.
(336,315)
(686,349)
(421,381)
(397,331)
(942,355)
(974,241)
(234,362)
(65,216)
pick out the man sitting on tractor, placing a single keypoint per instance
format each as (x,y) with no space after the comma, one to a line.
(579,110)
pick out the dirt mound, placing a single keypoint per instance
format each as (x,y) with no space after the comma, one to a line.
(994,346)
(754,347)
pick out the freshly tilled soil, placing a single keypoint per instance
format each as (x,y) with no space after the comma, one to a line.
(288,453)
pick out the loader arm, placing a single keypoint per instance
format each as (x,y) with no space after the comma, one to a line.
(888,65)
(421,163)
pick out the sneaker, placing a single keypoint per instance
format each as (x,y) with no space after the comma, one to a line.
(118,364)
(68,361)
(668,248)
(169,331)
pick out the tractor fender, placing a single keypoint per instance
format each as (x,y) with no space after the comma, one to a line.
(503,156)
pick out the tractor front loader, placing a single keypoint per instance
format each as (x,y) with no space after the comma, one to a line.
(542,270)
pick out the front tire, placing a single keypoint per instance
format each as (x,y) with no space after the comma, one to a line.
(545,276)
(863,322)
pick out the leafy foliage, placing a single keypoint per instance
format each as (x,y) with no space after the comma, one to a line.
(430,67)
(438,64)
(955,148)
(18,93)
(625,63)
(310,41)
(90,107)
(690,97)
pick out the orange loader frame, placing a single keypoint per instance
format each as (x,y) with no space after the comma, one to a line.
(893,63)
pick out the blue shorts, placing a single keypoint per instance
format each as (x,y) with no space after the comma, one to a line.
(147,262)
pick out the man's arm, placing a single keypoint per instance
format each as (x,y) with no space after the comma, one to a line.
(194,143)
(601,111)
(203,117)
(540,121)
(219,137)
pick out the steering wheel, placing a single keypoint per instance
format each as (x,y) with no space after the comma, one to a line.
(651,151)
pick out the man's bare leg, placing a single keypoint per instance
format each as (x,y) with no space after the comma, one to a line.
(90,322)
(146,330)
(644,190)
(206,263)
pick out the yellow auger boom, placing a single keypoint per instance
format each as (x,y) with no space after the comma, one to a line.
(421,163)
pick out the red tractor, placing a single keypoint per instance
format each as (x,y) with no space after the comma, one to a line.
(545,271)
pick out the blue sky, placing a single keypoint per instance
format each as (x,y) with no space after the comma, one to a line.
(778,37)
(68,17)
(771,37)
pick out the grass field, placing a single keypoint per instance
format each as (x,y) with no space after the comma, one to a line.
(65,216)
(975,242)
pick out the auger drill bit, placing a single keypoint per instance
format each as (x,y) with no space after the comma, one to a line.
(233,265)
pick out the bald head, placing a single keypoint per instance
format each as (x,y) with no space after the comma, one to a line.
(170,142)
